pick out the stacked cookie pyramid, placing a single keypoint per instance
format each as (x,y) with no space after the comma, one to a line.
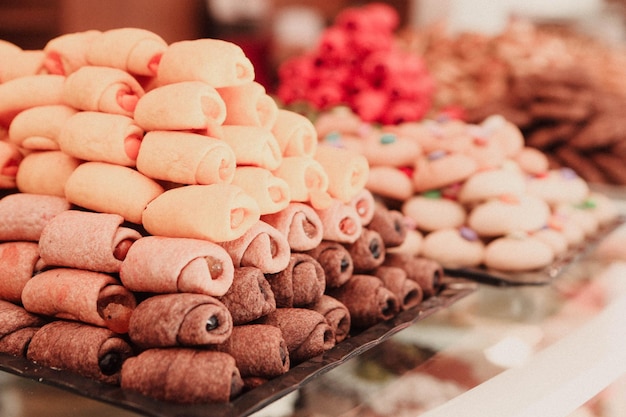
(167,228)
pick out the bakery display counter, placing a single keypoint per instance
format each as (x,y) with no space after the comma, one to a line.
(550,350)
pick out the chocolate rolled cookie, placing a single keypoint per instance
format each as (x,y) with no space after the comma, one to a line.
(86,240)
(259,350)
(90,351)
(367,299)
(300,223)
(305,331)
(17,328)
(183,375)
(301,283)
(86,296)
(335,260)
(367,252)
(181,319)
(390,225)
(337,315)
(19,261)
(426,272)
(249,297)
(25,215)
(395,279)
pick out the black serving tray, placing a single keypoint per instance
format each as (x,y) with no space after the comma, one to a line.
(452,290)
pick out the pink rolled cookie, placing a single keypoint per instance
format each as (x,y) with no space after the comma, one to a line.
(85,296)
(135,50)
(104,89)
(159,264)
(38,128)
(295,133)
(19,261)
(98,186)
(185,105)
(86,240)
(270,192)
(507,214)
(249,104)
(381,176)
(185,158)
(340,222)
(253,145)
(262,246)
(217,212)
(454,247)
(347,171)
(66,53)
(10,160)
(21,64)
(365,205)
(25,215)
(103,137)
(29,91)
(46,172)
(299,223)
(439,169)
(518,252)
(307,179)
(431,212)
(216,62)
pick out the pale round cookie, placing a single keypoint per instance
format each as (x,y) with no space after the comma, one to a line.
(517,252)
(553,238)
(601,207)
(506,214)
(492,183)
(411,245)
(390,149)
(487,153)
(532,161)
(390,182)
(431,212)
(439,169)
(558,186)
(454,247)
(573,232)
(584,218)
(506,134)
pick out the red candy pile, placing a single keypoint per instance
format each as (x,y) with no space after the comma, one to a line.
(359,64)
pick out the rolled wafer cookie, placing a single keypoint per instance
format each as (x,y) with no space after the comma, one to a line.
(367,299)
(135,50)
(337,315)
(249,104)
(38,128)
(90,351)
(259,350)
(17,328)
(185,158)
(86,296)
(19,261)
(426,272)
(300,223)
(216,212)
(183,375)
(347,171)
(46,172)
(103,89)
(185,105)
(66,53)
(25,215)
(253,145)
(10,160)
(307,179)
(271,193)
(295,133)
(86,240)
(340,222)
(409,293)
(158,264)
(390,224)
(249,297)
(335,260)
(306,332)
(216,62)
(365,205)
(29,91)
(367,251)
(22,63)
(103,137)
(181,319)
(300,284)
(261,246)
(98,186)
